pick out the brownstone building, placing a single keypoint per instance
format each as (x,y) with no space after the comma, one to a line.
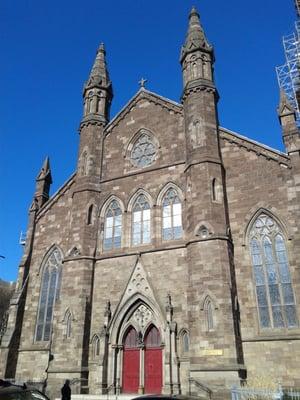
(169,261)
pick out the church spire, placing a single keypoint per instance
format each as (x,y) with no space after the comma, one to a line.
(43,182)
(195,38)
(197,55)
(97,92)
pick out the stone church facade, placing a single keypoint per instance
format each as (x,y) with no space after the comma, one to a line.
(168,261)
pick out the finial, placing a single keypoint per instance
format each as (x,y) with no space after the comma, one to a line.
(194,11)
(101,48)
(142,82)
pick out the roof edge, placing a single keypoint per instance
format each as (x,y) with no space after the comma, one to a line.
(252,141)
(140,93)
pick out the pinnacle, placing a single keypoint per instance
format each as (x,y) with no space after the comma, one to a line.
(194,12)
(99,74)
(45,170)
(284,104)
(195,38)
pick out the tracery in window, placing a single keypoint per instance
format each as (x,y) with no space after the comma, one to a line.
(274,291)
(144,151)
(49,294)
(171,216)
(113,226)
(141,221)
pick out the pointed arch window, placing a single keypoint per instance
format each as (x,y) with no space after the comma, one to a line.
(141,221)
(171,216)
(50,286)
(113,226)
(208,310)
(274,291)
(185,342)
(96,347)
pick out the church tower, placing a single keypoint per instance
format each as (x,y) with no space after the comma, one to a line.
(76,294)
(209,249)
(97,97)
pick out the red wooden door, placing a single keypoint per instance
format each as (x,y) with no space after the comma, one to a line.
(153,361)
(131,363)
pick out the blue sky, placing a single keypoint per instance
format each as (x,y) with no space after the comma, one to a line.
(48,47)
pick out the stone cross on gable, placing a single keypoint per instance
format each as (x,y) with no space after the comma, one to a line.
(142,82)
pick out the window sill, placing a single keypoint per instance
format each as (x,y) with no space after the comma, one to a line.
(274,335)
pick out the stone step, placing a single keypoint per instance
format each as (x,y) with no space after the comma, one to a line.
(111,396)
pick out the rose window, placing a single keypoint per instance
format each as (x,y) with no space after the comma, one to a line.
(143,152)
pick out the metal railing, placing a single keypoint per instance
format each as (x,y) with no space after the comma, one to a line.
(248,393)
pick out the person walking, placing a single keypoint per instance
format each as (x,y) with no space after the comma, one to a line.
(66,391)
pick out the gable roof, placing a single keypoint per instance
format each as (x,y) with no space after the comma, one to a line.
(54,198)
(253,145)
(143,94)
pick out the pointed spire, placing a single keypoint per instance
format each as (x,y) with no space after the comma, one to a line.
(43,182)
(195,38)
(45,171)
(99,76)
(285,107)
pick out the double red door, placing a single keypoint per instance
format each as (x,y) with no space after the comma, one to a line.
(152,362)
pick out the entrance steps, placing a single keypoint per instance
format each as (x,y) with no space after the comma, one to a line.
(111,396)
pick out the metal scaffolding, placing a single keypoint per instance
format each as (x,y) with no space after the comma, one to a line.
(288,75)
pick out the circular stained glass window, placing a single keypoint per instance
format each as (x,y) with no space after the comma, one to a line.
(143,152)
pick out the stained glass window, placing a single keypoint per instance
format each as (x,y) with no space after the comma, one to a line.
(141,221)
(274,291)
(49,294)
(171,216)
(143,152)
(113,226)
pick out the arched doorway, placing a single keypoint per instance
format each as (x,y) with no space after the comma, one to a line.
(131,362)
(153,361)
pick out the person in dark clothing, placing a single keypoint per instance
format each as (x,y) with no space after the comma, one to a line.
(66,391)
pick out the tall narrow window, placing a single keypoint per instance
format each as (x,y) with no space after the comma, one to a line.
(171,216)
(49,294)
(214,194)
(68,320)
(90,215)
(208,309)
(84,159)
(141,221)
(185,342)
(113,226)
(96,347)
(274,291)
